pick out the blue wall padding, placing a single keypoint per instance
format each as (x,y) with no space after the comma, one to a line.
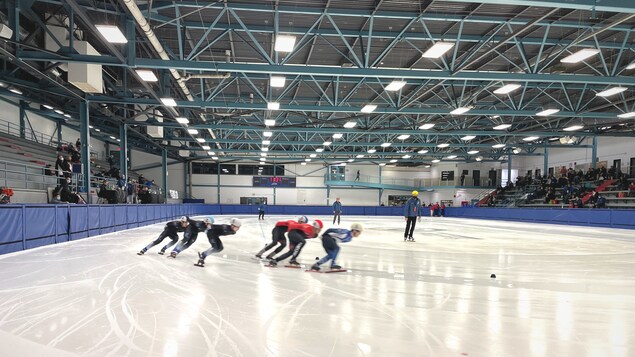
(33,225)
(577,217)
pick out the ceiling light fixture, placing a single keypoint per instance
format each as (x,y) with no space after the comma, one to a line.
(438,49)
(502,127)
(16,91)
(631,66)
(427,126)
(182,120)
(368,108)
(371,151)
(547,112)
(468,137)
(451,157)
(436,160)
(403,137)
(205,147)
(573,128)
(277,81)
(338,136)
(406,157)
(443,145)
(498,146)
(359,156)
(168,102)
(267,134)
(264,149)
(319,150)
(394,160)
(192,131)
(385,145)
(273,105)
(266,142)
(460,110)
(200,140)
(626,115)
(313,155)
(326,143)
(350,124)
(395,85)
(147,75)
(284,43)
(472,152)
(531,138)
(112,33)
(270,122)
(580,55)
(611,91)
(422,151)
(506,89)
(48,107)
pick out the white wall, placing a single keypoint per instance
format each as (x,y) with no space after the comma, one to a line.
(176,178)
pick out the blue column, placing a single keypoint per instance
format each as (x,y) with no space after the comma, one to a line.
(218,181)
(23,106)
(545,165)
(594,152)
(59,133)
(381,190)
(84,131)
(164,173)
(123,149)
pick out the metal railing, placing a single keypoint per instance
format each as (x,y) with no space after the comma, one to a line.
(29,134)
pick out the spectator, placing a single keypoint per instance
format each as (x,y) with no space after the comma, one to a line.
(142,180)
(462,179)
(357,176)
(59,165)
(600,202)
(78,144)
(130,191)
(111,161)
(56,198)
(121,183)
(631,189)
(48,171)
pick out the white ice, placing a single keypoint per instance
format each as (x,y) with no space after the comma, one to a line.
(559,291)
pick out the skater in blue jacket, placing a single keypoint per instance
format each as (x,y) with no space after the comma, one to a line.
(329,242)
(412,214)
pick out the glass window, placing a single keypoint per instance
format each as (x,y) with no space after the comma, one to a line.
(228,169)
(204,168)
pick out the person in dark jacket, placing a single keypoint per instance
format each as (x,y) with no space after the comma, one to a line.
(214,232)
(170,231)
(190,235)
(261,211)
(337,210)
(412,214)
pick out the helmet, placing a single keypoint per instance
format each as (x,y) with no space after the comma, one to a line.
(317,224)
(415,193)
(183,219)
(303,219)
(236,222)
(208,220)
(357,227)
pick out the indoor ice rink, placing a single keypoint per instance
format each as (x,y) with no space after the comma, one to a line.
(558,291)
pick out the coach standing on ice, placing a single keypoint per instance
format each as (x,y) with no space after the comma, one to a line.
(412,213)
(337,210)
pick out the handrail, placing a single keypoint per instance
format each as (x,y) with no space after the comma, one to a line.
(414,183)
(30,134)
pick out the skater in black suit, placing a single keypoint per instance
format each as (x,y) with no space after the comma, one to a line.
(170,231)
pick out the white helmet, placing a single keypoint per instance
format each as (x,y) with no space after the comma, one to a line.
(236,222)
(183,219)
(303,219)
(357,227)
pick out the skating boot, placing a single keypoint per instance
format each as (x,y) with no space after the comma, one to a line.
(161,252)
(200,263)
(412,239)
(269,257)
(272,263)
(258,256)
(141,252)
(315,267)
(335,267)
(294,263)
(172,255)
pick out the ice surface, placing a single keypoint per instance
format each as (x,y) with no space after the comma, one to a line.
(559,291)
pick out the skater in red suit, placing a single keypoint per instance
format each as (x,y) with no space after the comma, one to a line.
(298,234)
(278,237)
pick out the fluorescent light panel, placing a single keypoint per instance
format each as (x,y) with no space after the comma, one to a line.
(266,142)
(192,131)
(444,145)
(112,33)
(406,157)
(394,160)
(580,55)
(546,112)
(468,137)
(611,91)
(270,122)
(16,91)
(205,147)
(319,150)
(438,49)
(147,75)
(337,136)
(573,128)
(436,160)
(472,152)
(371,151)
(502,127)
(427,126)
(182,120)
(267,134)
(326,143)
(385,145)
(277,81)
(284,43)
(422,151)
(631,66)
(313,155)
(531,138)
(507,88)
(498,146)
(451,157)
(273,105)
(350,124)
(626,115)
(359,156)
(200,140)
(460,110)
(403,137)
(168,102)
(368,108)
(395,85)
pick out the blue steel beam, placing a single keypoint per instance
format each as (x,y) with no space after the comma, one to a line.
(619,6)
(348,109)
(307,70)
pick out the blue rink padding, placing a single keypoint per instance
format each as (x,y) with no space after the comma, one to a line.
(576,217)
(34,225)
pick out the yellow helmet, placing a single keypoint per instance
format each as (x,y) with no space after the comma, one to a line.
(415,193)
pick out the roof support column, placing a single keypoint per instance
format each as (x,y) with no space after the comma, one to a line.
(545,165)
(84,131)
(123,149)
(509,169)
(594,152)
(164,174)
(23,105)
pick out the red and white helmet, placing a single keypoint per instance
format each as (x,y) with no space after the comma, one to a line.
(317,224)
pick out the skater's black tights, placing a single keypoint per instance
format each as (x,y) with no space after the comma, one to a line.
(410,227)
(296,243)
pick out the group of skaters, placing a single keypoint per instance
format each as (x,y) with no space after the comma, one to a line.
(298,231)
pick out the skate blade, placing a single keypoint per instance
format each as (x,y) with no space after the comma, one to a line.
(326,271)
(293,266)
(199,265)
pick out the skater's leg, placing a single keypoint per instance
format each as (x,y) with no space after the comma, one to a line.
(287,254)
(412,227)
(405,233)
(217,247)
(333,254)
(162,236)
(174,239)
(296,251)
(282,244)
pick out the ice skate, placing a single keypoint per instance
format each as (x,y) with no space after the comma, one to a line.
(294,262)
(141,252)
(315,267)
(336,267)
(172,255)
(258,256)
(272,263)
(161,252)
(269,257)
(200,263)
(411,239)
